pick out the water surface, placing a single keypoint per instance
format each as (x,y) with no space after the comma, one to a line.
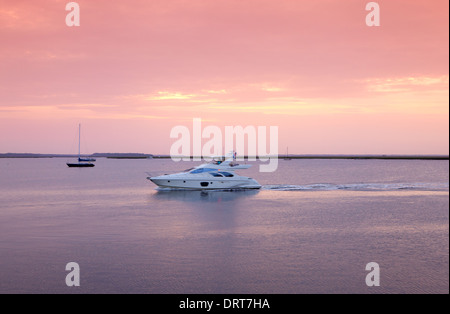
(312,228)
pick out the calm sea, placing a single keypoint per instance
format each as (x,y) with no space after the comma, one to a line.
(312,228)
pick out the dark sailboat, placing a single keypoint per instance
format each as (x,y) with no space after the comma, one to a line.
(82,162)
(287,155)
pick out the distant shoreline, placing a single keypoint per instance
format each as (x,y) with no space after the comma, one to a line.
(282,157)
(406,157)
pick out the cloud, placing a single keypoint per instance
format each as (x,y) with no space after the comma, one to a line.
(92,107)
(170,96)
(222,91)
(410,83)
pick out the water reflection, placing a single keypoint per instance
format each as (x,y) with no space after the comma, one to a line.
(203,196)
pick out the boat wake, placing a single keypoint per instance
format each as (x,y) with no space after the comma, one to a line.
(359,187)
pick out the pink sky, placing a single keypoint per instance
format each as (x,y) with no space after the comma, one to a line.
(135,69)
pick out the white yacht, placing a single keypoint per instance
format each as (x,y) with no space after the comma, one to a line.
(216,175)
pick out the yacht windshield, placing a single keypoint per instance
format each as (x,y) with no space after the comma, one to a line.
(201,170)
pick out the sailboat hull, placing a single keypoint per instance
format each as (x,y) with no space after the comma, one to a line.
(80,165)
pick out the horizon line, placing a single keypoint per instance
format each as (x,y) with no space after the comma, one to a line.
(279,156)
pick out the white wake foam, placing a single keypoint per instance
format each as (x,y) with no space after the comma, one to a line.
(359,187)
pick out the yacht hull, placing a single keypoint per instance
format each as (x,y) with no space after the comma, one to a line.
(206,183)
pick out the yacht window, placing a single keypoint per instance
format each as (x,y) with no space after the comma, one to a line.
(227,174)
(215,174)
(201,170)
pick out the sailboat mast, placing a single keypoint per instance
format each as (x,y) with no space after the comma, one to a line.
(79,140)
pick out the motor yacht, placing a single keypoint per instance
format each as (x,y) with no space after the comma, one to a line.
(219,174)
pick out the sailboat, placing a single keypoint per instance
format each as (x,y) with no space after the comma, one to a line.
(82,162)
(287,154)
